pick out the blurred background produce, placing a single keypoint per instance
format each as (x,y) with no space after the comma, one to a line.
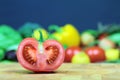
(75,24)
(89,46)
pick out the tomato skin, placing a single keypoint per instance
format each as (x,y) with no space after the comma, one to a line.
(96,54)
(41,65)
(70,52)
(102,36)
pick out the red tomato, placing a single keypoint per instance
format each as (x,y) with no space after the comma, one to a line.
(38,57)
(70,52)
(96,54)
(102,36)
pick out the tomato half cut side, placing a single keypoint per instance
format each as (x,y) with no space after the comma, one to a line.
(37,56)
(55,54)
(23,53)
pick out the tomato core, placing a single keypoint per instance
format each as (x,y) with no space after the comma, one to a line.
(29,54)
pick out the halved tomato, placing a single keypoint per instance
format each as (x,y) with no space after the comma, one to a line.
(40,57)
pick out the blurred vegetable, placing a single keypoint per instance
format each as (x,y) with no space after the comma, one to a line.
(6,62)
(87,38)
(8,36)
(112,54)
(11,55)
(12,47)
(96,54)
(67,35)
(106,44)
(2,54)
(70,52)
(92,32)
(81,58)
(101,36)
(114,37)
(27,29)
(108,29)
(114,61)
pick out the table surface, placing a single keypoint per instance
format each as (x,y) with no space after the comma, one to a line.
(68,71)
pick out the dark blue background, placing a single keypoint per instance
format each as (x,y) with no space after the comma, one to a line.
(84,14)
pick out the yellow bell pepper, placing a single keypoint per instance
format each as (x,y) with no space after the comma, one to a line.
(67,35)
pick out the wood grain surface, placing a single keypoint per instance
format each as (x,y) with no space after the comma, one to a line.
(67,71)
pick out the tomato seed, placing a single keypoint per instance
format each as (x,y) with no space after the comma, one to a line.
(29,54)
(53,53)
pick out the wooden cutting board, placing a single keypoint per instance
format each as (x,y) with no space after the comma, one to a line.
(67,71)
